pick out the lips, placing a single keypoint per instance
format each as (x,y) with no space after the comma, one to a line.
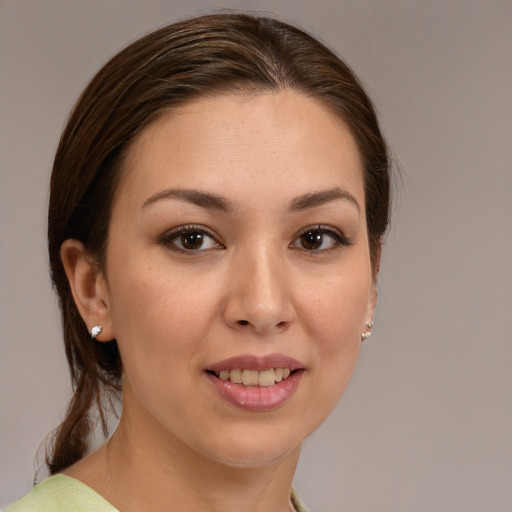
(256,383)
(261,378)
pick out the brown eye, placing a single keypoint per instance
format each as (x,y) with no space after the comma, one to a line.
(319,239)
(192,240)
(311,240)
(189,239)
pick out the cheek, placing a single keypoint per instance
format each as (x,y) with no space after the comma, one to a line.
(159,321)
(335,317)
(335,312)
(151,314)
(149,300)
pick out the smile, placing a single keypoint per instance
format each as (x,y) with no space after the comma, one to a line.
(263,378)
(256,383)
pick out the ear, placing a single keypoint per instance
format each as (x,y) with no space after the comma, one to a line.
(372,297)
(372,303)
(88,287)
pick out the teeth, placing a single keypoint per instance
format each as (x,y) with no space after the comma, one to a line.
(236,376)
(250,377)
(266,378)
(262,378)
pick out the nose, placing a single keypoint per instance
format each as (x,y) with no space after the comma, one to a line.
(259,294)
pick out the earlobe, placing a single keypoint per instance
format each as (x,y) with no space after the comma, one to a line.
(369,313)
(88,287)
(372,298)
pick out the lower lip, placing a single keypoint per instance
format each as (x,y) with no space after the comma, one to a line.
(257,398)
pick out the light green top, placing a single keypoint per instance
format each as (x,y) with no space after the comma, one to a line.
(61,493)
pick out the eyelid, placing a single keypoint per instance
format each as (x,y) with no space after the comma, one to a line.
(326,229)
(167,238)
(170,235)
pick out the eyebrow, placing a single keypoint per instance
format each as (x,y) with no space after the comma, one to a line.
(319,198)
(203,199)
(215,202)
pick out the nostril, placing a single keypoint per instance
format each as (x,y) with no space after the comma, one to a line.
(243,322)
(281,324)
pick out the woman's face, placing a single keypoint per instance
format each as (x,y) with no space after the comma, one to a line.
(238,246)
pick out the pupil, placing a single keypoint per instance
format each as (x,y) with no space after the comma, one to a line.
(312,240)
(192,240)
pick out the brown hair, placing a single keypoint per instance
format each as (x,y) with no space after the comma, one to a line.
(183,61)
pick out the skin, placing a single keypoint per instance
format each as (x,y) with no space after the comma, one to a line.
(254,288)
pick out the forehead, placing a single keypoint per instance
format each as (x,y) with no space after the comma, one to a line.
(280,138)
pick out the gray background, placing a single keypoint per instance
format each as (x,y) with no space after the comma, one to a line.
(426,423)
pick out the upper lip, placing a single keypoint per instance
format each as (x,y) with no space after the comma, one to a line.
(252,362)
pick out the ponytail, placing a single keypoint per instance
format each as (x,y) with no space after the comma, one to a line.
(95,389)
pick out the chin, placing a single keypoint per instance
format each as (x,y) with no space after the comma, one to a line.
(255,457)
(254,445)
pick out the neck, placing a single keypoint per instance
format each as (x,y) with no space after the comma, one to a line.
(136,473)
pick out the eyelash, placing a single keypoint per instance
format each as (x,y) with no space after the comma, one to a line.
(339,239)
(170,237)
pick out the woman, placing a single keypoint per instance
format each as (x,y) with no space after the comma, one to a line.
(218,203)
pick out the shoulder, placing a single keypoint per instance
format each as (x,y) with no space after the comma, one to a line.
(61,493)
(297,502)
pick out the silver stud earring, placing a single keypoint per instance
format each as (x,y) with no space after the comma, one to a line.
(365,335)
(96,330)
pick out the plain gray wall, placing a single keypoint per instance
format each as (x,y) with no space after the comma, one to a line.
(426,423)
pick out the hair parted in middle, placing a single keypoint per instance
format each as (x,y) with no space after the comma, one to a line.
(209,55)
